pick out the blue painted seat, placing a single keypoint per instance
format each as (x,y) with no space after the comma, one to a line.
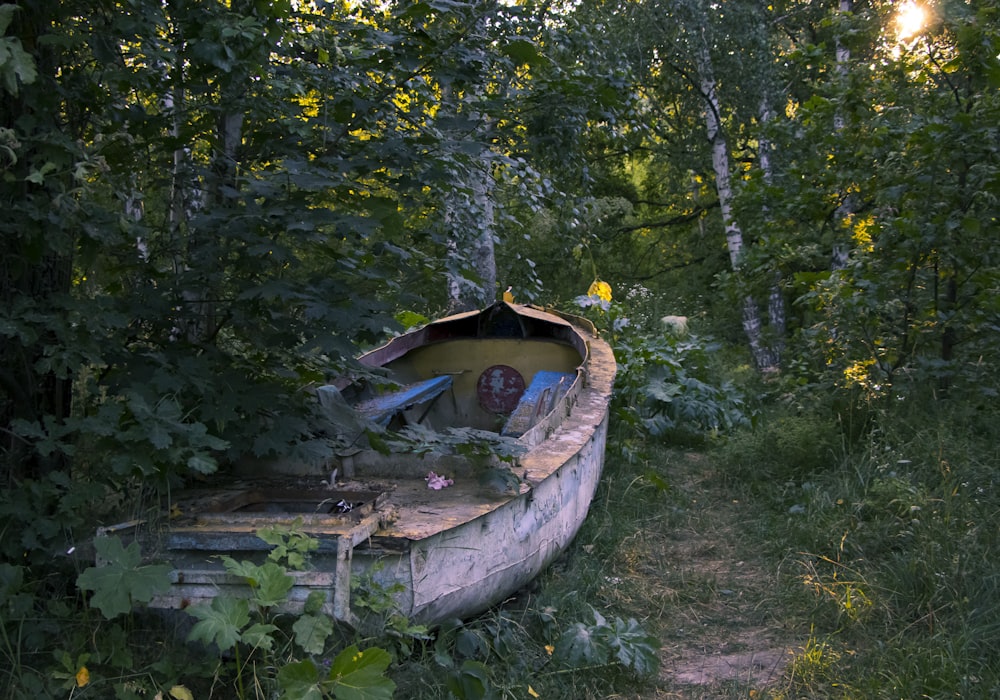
(537,400)
(380,409)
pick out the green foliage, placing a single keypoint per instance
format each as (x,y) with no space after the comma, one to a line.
(237,623)
(787,447)
(480,446)
(354,675)
(311,632)
(40,517)
(220,622)
(210,205)
(289,544)
(470,681)
(600,643)
(358,674)
(666,386)
(516,651)
(122,581)
(269,582)
(897,551)
(189,293)
(378,610)
(69,667)
(16,65)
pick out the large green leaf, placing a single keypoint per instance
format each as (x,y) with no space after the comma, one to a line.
(631,646)
(259,635)
(580,646)
(122,580)
(274,583)
(360,675)
(269,582)
(16,64)
(523,52)
(471,681)
(220,622)
(311,633)
(300,681)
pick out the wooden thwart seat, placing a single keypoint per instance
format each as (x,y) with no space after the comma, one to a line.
(537,400)
(380,409)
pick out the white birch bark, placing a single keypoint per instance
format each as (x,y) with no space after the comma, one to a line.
(776,299)
(225,167)
(469,218)
(186,198)
(752,325)
(135,211)
(839,253)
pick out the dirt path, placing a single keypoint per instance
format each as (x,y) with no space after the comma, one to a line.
(723,637)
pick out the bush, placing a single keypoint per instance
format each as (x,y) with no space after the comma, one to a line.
(782,448)
(667,386)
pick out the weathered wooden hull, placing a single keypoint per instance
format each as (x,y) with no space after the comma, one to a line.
(451,552)
(466,569)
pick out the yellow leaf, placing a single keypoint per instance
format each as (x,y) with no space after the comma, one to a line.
(550,649)
(179,692)
(508,296)
(82,677)
(600,289)
(532,693)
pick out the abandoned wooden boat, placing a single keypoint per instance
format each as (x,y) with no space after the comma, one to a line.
(450,544)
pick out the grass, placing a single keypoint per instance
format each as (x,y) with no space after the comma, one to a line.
(663,544)
(894,543)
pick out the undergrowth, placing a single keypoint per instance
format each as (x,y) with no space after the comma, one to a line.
(888,544)
(582,631)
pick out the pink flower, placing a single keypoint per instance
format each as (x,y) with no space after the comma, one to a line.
(437,482)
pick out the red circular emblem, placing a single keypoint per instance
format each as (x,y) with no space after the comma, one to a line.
(499,388)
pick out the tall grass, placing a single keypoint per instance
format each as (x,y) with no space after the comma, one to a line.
(891,537)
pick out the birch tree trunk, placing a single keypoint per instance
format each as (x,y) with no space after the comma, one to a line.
(469,211)
(763,357)
(838,258)
(185,201)
(776,299)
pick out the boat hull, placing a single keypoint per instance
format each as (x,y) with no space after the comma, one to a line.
(467,569)
(448,553)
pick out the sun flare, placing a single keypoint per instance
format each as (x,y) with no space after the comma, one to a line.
(910,19)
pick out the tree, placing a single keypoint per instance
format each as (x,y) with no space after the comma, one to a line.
(212,205)
(876,157)
(687,136)
(46,172)
(764,357)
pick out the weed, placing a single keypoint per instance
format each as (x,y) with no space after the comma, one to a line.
(817,671)
(249,626)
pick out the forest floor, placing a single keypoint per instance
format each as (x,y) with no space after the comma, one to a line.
(723,630)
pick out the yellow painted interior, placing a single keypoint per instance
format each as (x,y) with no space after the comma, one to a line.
(465,359)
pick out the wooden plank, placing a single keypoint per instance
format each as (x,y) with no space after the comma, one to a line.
(383,407)
(537,400)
